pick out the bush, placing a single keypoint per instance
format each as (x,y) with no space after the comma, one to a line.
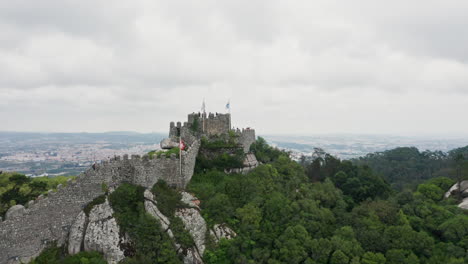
(98,200)
(168,199)
(57,255)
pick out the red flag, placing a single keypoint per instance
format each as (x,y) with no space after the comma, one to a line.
(181,145)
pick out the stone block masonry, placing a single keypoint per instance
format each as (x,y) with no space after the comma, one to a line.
(49,218)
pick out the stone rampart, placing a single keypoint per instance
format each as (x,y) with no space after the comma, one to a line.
(246,137)
(50,217)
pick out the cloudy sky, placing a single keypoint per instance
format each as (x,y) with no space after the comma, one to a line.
(291,67)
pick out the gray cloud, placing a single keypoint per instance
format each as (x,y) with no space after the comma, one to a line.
(288,66)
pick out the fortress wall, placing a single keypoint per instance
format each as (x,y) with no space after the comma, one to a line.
(49,218)
(217,124)
(246,138)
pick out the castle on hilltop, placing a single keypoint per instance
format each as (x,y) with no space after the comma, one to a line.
(27,230)
(211,125)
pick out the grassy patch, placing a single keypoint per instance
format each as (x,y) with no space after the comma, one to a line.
(168,153)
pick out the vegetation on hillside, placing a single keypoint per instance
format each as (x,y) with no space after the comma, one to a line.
(326,211)
(150,244)
(406,167)
(16,188)
(58,255)
(330,212)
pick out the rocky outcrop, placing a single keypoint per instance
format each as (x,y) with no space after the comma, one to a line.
(77,232)
(190,200)
(454,189)
(168,143)
(152,209)
(192,257)
(15,211)
(463,189)
(195,224)
(250,163)
(222,231)
(102,233)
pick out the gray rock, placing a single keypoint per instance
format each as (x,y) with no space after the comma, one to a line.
(464,204)
(192,257)
(15,211)
(189,199)
(195,224)
(77,232)
(152,209)
(168,143)
(102,233)
(222,231)
(464,188)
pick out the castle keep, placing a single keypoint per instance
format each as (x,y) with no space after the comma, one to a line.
(27,230)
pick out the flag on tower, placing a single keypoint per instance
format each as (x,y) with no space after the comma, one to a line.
(181,145)
(228,105)
(203,107)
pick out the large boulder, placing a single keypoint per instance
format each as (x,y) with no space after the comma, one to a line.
(168,143)
(15,211)
(222,231)
(102,233)
(77,232)
(454,189)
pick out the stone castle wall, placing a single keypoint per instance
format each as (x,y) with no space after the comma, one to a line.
(246,137)
(49,218)
(208,124)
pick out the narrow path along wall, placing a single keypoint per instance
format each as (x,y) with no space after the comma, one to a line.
(49,218)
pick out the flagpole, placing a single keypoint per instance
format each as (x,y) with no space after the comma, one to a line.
(180,156)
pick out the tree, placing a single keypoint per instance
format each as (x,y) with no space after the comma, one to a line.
(373,258)
(459,158)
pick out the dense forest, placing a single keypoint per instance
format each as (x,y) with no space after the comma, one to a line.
(338,212)
(325,211)
(405,167)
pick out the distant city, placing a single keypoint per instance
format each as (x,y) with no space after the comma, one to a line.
(52,154)
(353,146)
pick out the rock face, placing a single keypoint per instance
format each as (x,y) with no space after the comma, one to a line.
(15,211)
(102,233)
(152,209)
(464,191)
(192,257)
(222,231)
(454,188)
(77,232)
(190,200)
(168,143)
(195,224)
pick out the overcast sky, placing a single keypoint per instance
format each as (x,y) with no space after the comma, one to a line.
(291,67)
